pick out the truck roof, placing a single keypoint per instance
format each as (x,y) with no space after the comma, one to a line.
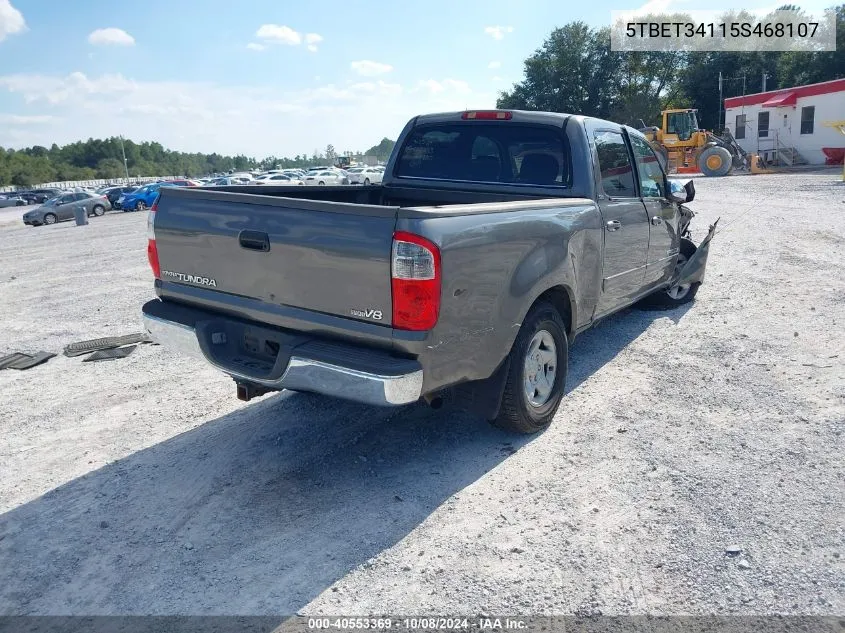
(522,116)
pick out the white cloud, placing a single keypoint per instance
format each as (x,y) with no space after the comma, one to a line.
(111,35)
(498,32)
(370,68)
(20,119)
(279,33)
(312,39)
(253,46)
(494,65)
(11,20)
(256,120)
(497,78)
(455,86)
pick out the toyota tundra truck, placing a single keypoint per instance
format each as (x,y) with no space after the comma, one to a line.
(495,238)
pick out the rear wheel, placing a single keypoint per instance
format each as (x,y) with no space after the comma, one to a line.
(50,218)
(536,373)
(715,161)
(99,210)
(321,183)
(366,181)
(140,206)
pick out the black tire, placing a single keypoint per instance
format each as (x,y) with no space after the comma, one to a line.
(321,183)
(99,210)
(366,182)
(712,155)
(664,299)
(517,414)
(50,218)
(140,206)
(20,203)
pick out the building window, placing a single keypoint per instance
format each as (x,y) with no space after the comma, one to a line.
(807,116)
(740,126)
(763,124)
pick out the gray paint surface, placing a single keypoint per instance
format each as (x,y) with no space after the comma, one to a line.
(328,256)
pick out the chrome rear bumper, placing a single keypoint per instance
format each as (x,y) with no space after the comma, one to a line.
(302,374)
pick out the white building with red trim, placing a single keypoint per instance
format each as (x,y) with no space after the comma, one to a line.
(787,126)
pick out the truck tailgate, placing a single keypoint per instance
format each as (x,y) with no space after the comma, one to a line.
(327,257)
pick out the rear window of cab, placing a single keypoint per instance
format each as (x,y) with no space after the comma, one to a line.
(495,152)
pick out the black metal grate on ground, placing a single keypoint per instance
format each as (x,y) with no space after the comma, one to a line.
(109,342)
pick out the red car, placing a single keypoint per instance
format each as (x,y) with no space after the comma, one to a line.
(183,183)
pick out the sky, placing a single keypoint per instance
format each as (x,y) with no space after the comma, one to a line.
(268,77)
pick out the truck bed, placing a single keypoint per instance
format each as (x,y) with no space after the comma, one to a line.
(404,201)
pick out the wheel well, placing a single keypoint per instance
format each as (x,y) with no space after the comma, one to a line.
(559,297)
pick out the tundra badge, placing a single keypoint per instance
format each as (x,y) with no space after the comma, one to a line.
(194,279)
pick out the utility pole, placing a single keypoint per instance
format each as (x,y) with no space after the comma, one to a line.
(125,163)
(719,115)
(765,76)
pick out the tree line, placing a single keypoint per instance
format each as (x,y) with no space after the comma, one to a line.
(575,71)
(103,159)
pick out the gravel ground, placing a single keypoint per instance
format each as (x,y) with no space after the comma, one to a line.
(143,486)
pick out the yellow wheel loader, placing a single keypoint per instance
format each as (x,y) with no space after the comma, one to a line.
(686,148)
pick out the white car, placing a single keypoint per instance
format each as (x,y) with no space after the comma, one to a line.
(365,176)
(277,179)
(327,177)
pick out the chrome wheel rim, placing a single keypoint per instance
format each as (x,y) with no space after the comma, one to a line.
(540,369)
(682,290)
(49,219)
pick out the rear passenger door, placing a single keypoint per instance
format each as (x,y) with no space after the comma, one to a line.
(85,201)
(624,220)
(664,240)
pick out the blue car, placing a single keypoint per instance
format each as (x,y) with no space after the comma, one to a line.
(142,198)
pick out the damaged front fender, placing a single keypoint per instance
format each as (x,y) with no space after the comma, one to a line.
(693,271)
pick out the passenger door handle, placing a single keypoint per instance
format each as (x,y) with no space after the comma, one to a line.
(657,220)
(254,240)
(613,225)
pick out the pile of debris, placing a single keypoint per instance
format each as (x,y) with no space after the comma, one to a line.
(108,348)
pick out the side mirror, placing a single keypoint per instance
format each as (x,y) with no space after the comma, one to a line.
(681,191)
(679,196)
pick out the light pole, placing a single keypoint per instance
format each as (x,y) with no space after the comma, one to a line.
(125,164)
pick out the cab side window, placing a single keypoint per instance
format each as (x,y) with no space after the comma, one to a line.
(652,178)
(617,173)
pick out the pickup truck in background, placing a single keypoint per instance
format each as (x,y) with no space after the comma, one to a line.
(494,239)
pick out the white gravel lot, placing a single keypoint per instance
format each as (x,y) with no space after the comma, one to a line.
(142,486)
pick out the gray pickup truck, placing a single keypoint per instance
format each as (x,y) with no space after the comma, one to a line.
(495,238)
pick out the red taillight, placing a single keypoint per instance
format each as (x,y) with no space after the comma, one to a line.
(152,250)
(415,281)
(487,115)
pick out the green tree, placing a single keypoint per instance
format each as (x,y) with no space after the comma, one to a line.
(110,168)
(383,150)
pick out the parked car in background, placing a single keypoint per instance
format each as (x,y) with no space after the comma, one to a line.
(277,179)
(365,176)
(142,198)
(328,177)
(114,194)
(229,180)
(63,208)
(39,196)
(182,183)
(11,200)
